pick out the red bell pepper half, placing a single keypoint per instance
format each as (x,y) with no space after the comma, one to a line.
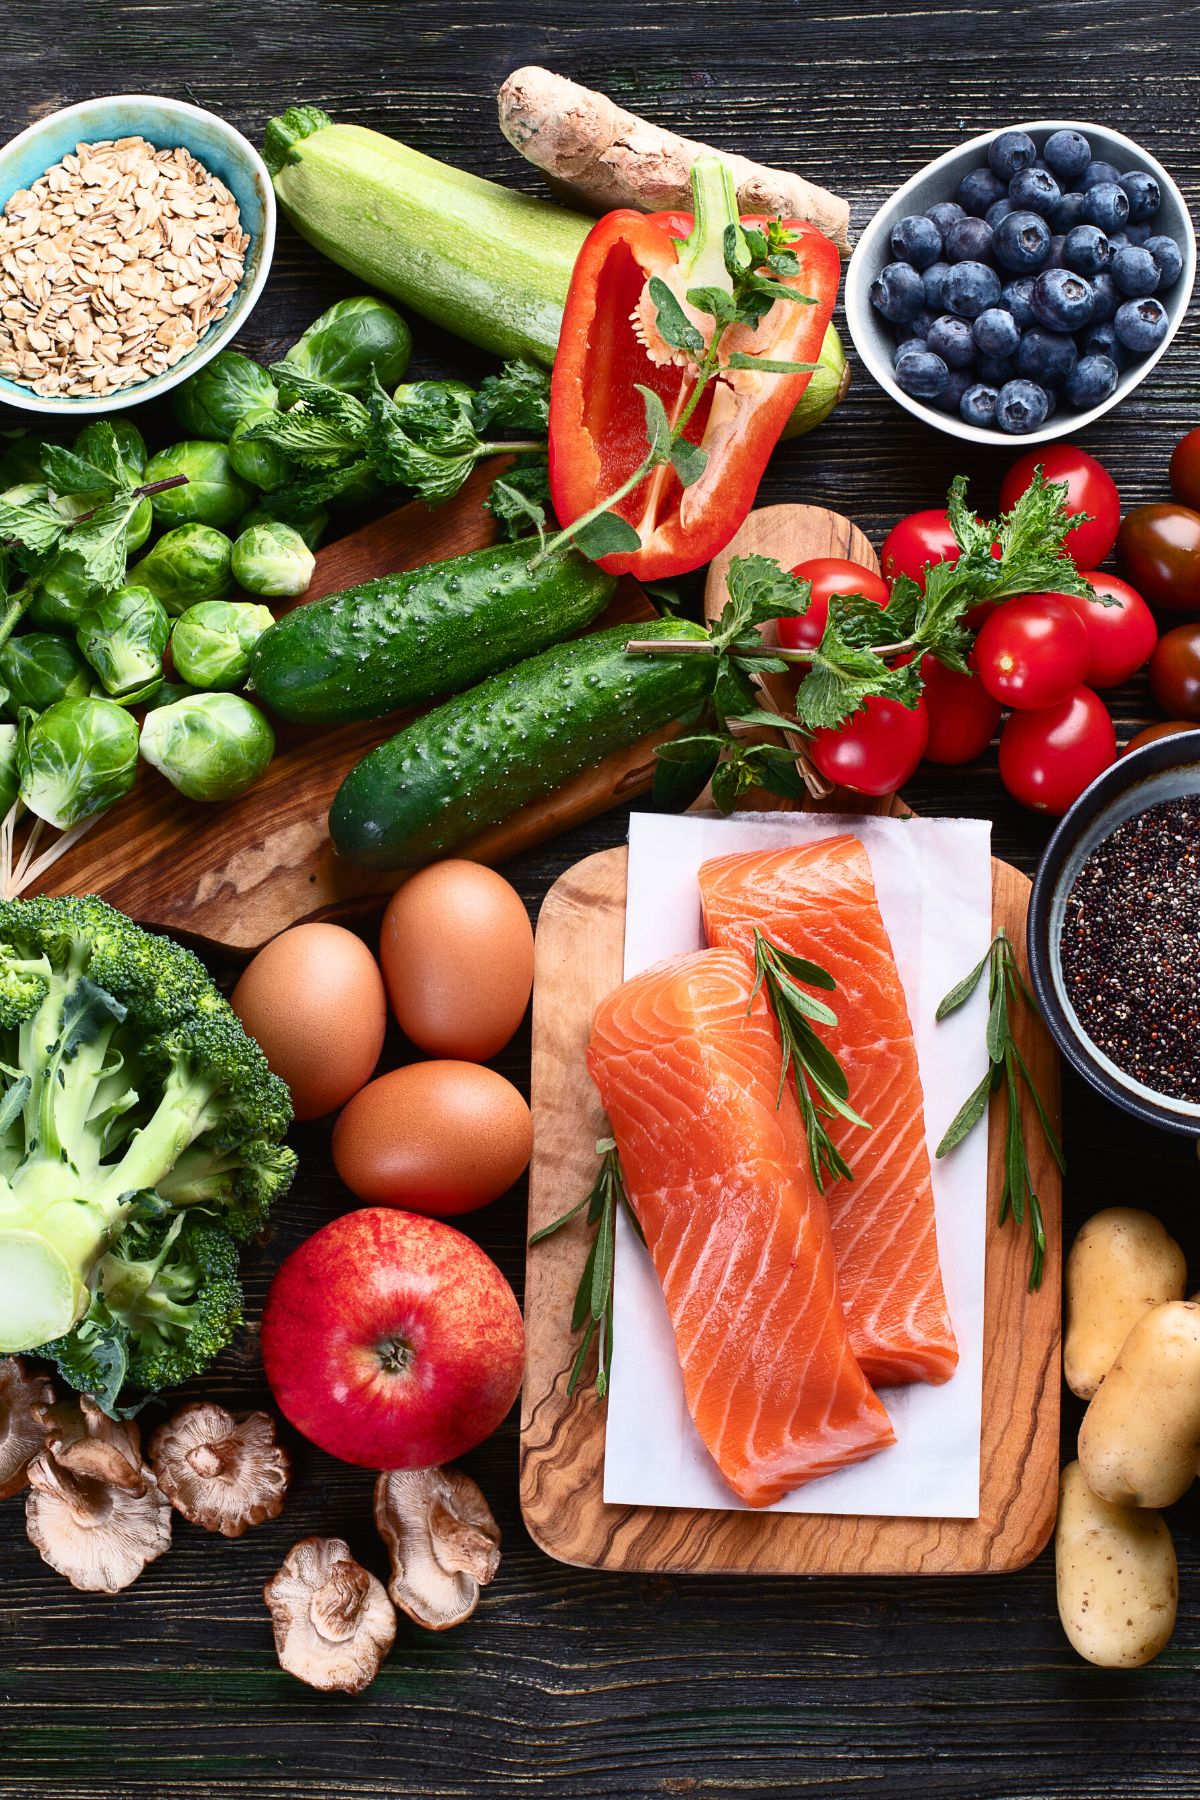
(609,343)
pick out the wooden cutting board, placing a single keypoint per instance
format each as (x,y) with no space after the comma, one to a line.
(579,952)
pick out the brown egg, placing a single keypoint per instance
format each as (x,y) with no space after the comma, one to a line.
(435,1137)
(314,999)
(457,955)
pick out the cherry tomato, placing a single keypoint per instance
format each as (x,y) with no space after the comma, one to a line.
(829,575)
(1031,652)
(924,537)
(962,714)
(1175,672)
(1090,489)
(1152,733)
(1159,550)
(1120,636)
(1185,469)
(1048,758)
(876,751)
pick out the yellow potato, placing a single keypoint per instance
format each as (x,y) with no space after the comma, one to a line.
(1122,1263)
(1141,1431)
(1117,1578)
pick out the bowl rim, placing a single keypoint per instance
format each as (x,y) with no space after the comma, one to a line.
(859,277)
(1131,771)
(246,295)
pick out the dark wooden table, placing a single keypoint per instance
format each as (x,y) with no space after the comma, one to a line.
(568,1683)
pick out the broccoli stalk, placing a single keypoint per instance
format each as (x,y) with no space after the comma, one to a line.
(131,1093)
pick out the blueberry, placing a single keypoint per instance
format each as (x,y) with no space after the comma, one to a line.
(1016,300)
(916,240)
(1141,325)
(917,327)
(1068,153)
(1135,272)
(1102,340)
(1137,233)
(1067,214)
(1035,190)
(951,339)
(997,332)
(904,345)
(996,370)
(943,213)
(1091,381)
(1098,172)
(969,240)
(978,405)
(1169,257)
(979,190)
(999,211)
(1021,406)
(1021,241)
(1145,195)
(1118,240)
(1062,300)
(898,292)
(935,278)
(1051,404)
(1054,256)
(970,288)
(949,400)
(921,374)
(1106,205)
(1046,356)
(1011,152)
(1105,296)
(1085,249)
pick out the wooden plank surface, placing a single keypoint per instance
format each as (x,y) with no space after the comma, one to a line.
(572,1684)
(579,955)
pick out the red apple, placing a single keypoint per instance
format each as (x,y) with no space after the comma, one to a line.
(392,1341)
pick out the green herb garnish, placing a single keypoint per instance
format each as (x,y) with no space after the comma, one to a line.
(1008,1070)
(594,1298)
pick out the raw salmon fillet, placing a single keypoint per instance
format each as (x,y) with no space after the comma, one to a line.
(818,900)
(738,1231)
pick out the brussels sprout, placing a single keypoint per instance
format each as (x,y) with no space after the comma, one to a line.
(9,776)
(140,526)
(168,692)
(212,402)
(211,643)
(311,527)
(187,565)
(212,746)
(22,460)
(272,559)
(130,443)
(262,464)
(76,759)
(213,495)
(123,637)
(63,594)
(349,341)
(41,668)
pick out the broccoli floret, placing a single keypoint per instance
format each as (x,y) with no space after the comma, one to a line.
(131,1099)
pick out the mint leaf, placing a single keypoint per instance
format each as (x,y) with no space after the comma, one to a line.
(688,460)
(658,426)
(99,542)
(843,677)
(607,535)
(673,323)
(769,365)
(94,466)
(717,302)
(521,499)
(36,525)
(518,397)
(758,590)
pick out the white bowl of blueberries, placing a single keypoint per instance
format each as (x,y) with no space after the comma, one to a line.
(1023,284)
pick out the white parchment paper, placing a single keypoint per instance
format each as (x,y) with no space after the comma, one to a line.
(933,878)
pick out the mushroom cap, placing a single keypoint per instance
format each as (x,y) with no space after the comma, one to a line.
(95,1512)
(443,1540)
(221,1472)
(23,1391)
(333,1621)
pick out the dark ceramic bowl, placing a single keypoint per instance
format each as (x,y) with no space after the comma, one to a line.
(1163,770)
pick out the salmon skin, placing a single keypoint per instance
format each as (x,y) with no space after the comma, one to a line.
(818,900)
(688,1069)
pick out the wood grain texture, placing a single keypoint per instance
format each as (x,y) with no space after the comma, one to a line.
(578,960)
(573,1684)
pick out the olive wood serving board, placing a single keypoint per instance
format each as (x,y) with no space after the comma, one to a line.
(578,959)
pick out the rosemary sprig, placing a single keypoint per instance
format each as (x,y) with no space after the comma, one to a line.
(820,1081)
(1008,1070)
(593,1311)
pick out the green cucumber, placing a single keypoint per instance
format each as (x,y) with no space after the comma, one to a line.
(516,737)
(407,638)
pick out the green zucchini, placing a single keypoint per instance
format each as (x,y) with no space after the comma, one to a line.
(517,736)
(411,637)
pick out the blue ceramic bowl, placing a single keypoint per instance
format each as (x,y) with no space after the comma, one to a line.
(165,124)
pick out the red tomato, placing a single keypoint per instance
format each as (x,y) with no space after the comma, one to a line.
(1031,652)
(1120,637)
(829,575)
(1185,469)
(1048,758)
(1152,733)
(1090,489)
(876,751)
(962,714)
(924,537)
